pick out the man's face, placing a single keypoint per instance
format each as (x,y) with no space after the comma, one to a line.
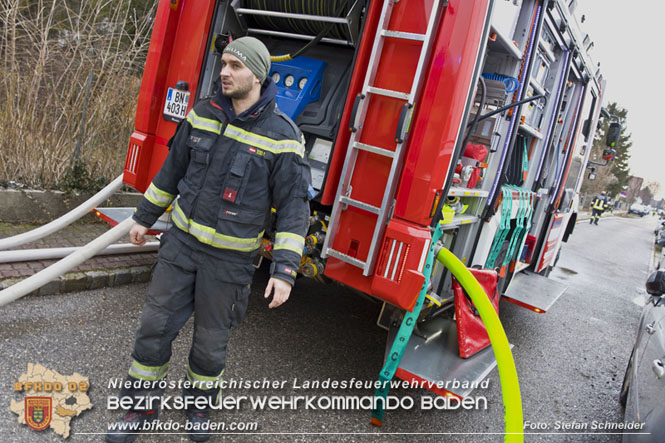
(237,79)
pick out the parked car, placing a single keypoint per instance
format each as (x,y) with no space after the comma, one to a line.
(660,234)
(643,389)
(638,209)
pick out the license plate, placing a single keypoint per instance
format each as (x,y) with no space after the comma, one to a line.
(175,107)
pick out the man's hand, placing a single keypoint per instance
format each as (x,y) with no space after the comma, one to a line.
(137,233)
(282,291)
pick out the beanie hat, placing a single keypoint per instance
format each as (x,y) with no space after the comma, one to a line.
(253,53)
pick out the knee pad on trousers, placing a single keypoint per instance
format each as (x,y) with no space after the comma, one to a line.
(208,353)
(157,331)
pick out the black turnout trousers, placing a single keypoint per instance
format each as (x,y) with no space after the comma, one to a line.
(186,281)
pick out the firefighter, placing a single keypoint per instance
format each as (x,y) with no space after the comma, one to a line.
(598,206)
(233,158)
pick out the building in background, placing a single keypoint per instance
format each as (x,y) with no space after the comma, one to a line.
(633,190)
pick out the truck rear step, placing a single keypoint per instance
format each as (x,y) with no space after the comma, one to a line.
(435,364)
(534,292)
(113,216)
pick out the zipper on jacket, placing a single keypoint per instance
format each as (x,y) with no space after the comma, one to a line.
(208,162)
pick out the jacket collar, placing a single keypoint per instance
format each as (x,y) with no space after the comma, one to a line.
(268,93)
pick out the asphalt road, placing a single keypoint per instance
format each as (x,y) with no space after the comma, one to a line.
(570,361)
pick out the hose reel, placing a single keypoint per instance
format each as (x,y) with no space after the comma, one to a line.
(303,20)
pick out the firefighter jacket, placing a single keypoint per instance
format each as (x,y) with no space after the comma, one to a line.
(599,203)
(228,172)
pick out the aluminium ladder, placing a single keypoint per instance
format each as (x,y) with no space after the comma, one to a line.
(343,197)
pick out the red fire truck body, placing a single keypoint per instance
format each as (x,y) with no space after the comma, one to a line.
(407,89)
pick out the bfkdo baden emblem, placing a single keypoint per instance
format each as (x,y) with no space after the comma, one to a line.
(38,412)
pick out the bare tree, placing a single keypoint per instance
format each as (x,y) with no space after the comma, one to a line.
(47,50)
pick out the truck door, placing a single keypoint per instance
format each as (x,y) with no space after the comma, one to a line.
(183,68)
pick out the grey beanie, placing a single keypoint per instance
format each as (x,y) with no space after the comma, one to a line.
(253,53)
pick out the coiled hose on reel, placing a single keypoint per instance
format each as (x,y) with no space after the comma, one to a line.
(326,8)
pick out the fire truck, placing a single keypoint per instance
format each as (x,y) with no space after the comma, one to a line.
(477,115)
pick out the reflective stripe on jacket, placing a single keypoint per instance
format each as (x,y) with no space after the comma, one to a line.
(599,203)
(227,176)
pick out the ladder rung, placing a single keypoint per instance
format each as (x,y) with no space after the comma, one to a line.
(460,220)
(374,149)
(388,93)
(403,35)
(358,204)
(361,110)
(346,258)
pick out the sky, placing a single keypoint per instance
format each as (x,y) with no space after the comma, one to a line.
(629,44)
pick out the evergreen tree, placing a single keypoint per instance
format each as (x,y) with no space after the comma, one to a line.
(619,166)
(613,177)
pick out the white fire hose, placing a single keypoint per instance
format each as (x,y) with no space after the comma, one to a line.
(52,253)
(71,261)
(65,220)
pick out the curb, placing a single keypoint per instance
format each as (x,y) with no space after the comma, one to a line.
(39,207)
(84,281)
(587,217)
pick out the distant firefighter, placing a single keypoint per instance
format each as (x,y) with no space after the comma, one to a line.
(598,206)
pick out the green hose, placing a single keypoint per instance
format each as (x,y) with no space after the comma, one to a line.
(510,388)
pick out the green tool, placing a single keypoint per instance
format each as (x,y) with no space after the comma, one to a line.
(504,227)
